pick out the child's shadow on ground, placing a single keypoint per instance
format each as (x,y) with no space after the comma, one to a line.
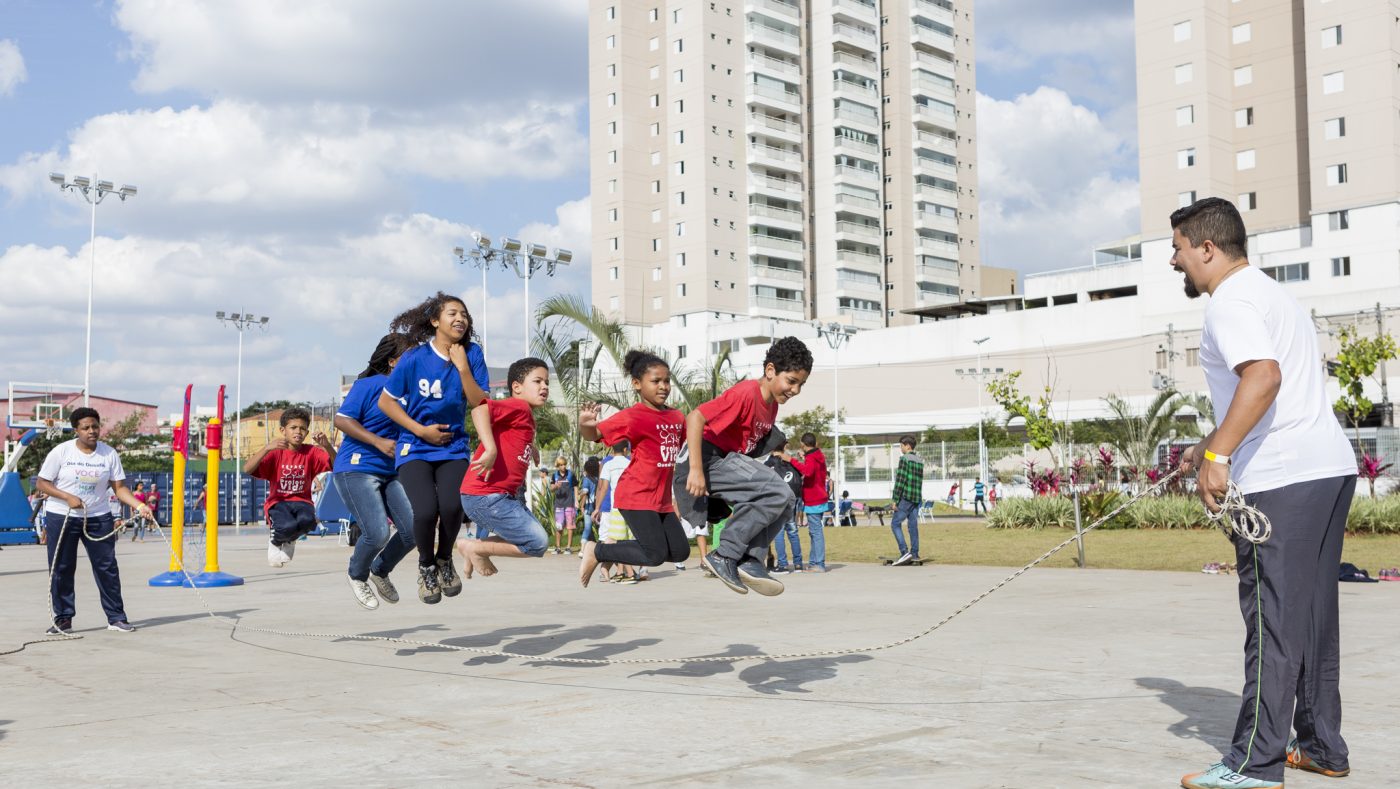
(545,643)
(1209,712)
(598,652)
(773,677)
(477,640)
(704,669)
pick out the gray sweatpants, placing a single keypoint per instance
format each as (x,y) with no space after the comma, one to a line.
(761,503)
(1292,652)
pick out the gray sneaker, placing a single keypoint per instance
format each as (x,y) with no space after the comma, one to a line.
(121,626)
(726,570)
(384,588)
(364,595)
(756,577)
(61,626)
(428,589)
(447,578)
(904,559)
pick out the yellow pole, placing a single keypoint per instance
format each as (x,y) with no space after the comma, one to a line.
(177,511)
(211,499)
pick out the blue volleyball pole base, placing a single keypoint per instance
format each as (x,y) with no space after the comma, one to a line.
(211,580)
(172,578)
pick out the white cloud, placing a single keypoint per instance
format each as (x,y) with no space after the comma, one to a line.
(1048,193)
(12,71)
(409,53)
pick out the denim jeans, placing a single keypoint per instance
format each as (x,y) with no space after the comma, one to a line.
(906,511)
(505,517)
(372,499)
(817,555)
(790,533)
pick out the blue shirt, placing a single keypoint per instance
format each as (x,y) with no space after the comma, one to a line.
(978,489)
(362,405)
(428,387)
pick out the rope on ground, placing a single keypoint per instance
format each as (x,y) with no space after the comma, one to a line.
(48,588)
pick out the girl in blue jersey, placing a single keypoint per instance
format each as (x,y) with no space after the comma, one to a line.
(428,395)
(365,477)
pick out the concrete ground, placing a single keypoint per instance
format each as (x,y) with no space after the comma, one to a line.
(1063,678)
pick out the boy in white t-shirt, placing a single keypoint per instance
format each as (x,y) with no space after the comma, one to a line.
(77,476)
(1280,443)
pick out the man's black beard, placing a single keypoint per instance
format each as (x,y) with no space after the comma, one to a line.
(1190,288)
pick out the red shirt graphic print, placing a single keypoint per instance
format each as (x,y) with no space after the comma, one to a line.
(739,419)
(656,437)
(290,472)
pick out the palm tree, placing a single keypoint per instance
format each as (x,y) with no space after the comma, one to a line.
(1136,435)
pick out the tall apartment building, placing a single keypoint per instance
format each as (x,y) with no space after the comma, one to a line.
(1288,107)
(782,160)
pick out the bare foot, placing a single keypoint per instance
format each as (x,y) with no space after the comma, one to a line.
(482,563)
(589,562)
(464,547)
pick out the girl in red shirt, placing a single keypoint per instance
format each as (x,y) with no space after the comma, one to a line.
(643,494)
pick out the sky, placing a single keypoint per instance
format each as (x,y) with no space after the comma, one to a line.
(315,161)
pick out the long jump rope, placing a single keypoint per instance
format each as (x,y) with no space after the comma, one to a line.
(1235,519)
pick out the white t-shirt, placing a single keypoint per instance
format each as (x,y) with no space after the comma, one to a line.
(1250,317)
(611,472)
(85,475)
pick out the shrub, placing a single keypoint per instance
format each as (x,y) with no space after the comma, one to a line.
(1375,516)
(1037,512)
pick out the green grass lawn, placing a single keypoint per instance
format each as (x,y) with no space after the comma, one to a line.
(969,542)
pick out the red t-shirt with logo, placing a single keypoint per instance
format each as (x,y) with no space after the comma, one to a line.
(656,438)
(290,472)
(513,425)
(738,419)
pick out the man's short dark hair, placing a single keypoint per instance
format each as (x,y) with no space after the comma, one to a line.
(1216,220)
(81,413)
(621,447)
(908,441)
(295,412)
(789,355)
(521,368)
(809,439)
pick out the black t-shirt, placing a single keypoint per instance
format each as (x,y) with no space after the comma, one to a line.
(787,472)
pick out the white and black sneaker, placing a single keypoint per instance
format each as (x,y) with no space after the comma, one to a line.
(756,577)
(726,570)
(275,556)
(447,578)
(680,566)
(364,595)
(902,560)
(290,549)
(384,588)
(428,589)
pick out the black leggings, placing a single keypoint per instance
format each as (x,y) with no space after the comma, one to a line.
(660,538)
(433,488)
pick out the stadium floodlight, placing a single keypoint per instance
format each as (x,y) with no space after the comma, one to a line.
(82,181)
(219,315)
(57,178)
(107,186)
(563,256)
(126,191)
(536,250)
(482,240)
(509,244)
(240,321)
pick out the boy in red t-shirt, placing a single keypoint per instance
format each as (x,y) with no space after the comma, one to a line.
(491,488)
(724,438)
(290,464)
(643,494)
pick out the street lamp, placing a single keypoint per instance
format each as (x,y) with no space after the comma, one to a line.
(94,194)
(478,255)
(980,373)
(241,322)
(836,335)
(522,258)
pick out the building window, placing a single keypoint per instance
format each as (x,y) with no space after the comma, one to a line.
(1341,267)
(611,13)
(680,289)
(680,136)
(1338,220)
(1333,128)
(680,167)
(1331,36)
(680,106)
(1193,357)
(653,15)
(1184,199)
(654,72)
(656,130)
(1183,73)
(656,302)
(1248,202)
(656,215)
(656,157)
(612,214)
(612,186)
(676,16)
(613,243)
(1336,174)
(656,274)
(653,44)
(612,69)
(1244,117)
(612,273)
(612,157)
(1293,272)
(1185,116)
(1336,82)
(612,127)
(612,302)
(679,75)
(1244,75)
(1181,31)
(1244,160)
(680,351)
(1240,34)
(680,259)
(612,99)
(679,46)
(656,245)
(680,198)
(656,187)
(680,229)
(654,101)
(612,42)
(1185,157)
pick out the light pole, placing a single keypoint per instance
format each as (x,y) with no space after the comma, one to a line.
(980,374)
(523,258)
(836,335)
(94,193)
(240,321)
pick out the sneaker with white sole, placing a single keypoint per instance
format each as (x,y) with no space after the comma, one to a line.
(1218,776)
(364,595)
(756,577)
(428,589)
(680,566)
(290,549)
(384,588)
(275,556)
(727,570)
(904,559)
(121,626)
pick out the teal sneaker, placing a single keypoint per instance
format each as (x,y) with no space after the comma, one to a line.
(1218,776)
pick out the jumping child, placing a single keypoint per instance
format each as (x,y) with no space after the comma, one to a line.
(289,464)
(428,394)
(505,432)
(643,493)
(720,434)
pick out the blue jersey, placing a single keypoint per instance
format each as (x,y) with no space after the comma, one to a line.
(428,387)
(362,405)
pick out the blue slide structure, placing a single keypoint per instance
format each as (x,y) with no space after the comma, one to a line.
(16,522)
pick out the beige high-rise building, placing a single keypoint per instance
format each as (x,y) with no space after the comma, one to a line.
(1287,107)
(781,159)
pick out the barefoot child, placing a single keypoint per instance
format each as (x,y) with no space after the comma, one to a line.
(491,489)
(643,493)
(289,464)
(720,437)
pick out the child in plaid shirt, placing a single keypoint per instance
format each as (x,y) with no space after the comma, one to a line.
(908,495)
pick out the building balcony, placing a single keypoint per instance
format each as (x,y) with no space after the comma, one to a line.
(939,222)
(948,172)
(946,273)
(851,146)
(855,231)
(943,249)
(780,158)
(857,37)
(858,9)
(854,90)
(788,307)
(857,174)
(773,37)
(773,246)
(784,218)
(776,128)
(936,143)
(858,258)
(866,66)
(859,286)
(865,121)
(941,66)
(785,100)
(782,69)
(861,317)
(786,278)
(936,194)
(933,38)
(786,12)
(858,204)
(926,298)
(935,12)
(935,90)
(936,116)
(784,188)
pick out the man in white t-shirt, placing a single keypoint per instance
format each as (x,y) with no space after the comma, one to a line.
(1280,443)
(77,476)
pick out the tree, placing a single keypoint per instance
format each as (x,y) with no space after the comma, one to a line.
(994,434)
(263,406)
(1371,469)
(1135,435)
(1041,427)
(817,421)
(1357,359)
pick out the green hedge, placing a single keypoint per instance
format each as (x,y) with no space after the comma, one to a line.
(1380,516)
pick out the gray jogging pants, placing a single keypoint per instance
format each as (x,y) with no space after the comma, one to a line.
(761,502)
